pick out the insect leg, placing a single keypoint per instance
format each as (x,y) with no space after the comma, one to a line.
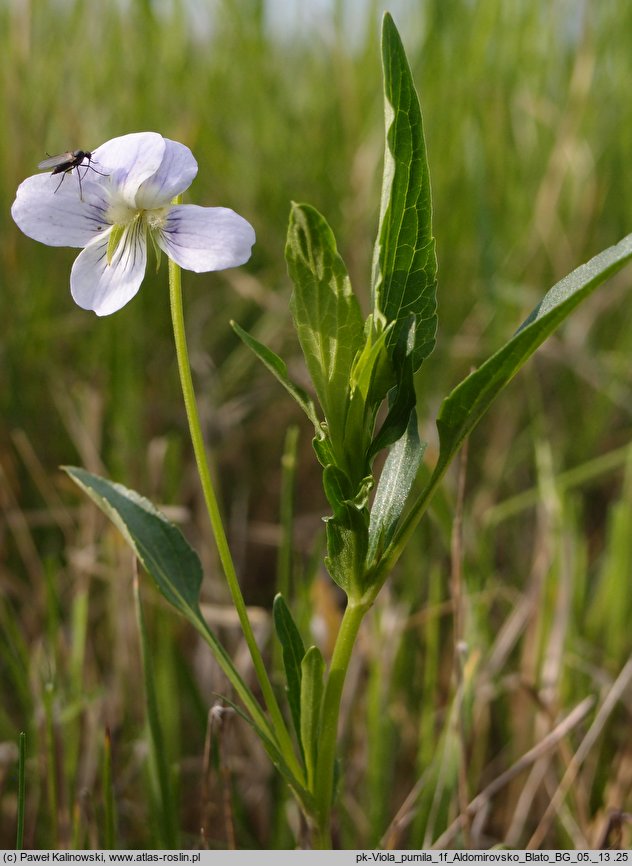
(61,181)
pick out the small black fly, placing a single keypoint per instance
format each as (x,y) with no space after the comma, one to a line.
(64,163)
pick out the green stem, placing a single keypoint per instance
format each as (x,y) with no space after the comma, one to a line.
(349,627)
(324,782)
(190,403)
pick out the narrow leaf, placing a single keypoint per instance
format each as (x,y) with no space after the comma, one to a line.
(326,312)
(396,480)
(293,652)
(163,551)
(372,376)
(278,368)
(469,401)
(168,558)
(372,372)
(404,259)
(313,668)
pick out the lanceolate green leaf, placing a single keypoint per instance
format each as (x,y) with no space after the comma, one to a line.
(168,558)
(465,406)
(293,652)
(394,486)
(163,551)
(278,368)
(404,259)
(326,312)
(469,401)
(313,668)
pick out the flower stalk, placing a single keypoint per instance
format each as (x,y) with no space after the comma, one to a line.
(217,526)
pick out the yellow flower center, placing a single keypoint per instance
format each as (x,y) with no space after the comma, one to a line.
(122,216)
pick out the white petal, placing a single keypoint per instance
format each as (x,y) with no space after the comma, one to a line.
(54,214)
(177,170)
(129,160)
(206,238)
(105,288)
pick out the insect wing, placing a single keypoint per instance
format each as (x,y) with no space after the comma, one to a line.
(67,159)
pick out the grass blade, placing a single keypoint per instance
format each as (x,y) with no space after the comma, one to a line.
(19,841)
(168,826)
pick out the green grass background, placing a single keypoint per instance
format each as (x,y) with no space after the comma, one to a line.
(529,133)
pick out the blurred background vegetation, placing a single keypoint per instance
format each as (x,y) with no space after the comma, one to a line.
(486,637)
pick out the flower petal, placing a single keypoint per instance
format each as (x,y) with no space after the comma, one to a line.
(53,213)
(105,288)
(206,238)
(129,160)
(177,170)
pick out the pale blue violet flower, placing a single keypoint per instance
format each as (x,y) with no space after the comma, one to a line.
(125,199)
